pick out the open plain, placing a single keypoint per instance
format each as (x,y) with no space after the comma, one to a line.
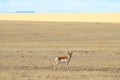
(28,50)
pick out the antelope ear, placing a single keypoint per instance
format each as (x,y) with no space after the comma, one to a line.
(71,53)
(68,52)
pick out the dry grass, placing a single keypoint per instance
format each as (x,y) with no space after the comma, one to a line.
(64,17)
(28,49)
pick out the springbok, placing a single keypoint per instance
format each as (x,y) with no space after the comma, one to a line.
(63,59)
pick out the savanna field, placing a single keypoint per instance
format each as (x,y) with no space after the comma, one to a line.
(28,50)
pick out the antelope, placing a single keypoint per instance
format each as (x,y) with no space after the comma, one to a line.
(63,59)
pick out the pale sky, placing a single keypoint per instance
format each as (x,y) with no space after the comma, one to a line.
(62,6)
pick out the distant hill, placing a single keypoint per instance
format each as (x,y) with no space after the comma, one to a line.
(25,12)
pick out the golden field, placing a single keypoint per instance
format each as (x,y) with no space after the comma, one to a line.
(64,17)
(28,49)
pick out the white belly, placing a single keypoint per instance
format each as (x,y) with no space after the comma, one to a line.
(64,60)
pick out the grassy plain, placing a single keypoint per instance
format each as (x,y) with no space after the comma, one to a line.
(28,49)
